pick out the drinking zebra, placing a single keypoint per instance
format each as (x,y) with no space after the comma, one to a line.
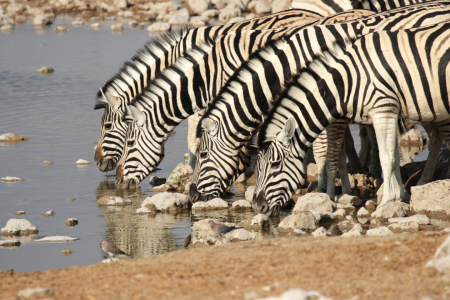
(172,98)
(237,111)
(157,55)
(384,76)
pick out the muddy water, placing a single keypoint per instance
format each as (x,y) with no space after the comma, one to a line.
(56,112)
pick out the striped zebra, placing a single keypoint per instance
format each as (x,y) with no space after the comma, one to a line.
(385,5)
(383,77)
(237,111)
(157,55)
(170,99)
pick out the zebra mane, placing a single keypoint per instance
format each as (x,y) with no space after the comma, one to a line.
(120,82)
(319,66)
(177,70)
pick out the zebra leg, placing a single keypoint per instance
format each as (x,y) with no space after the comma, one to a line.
(364,151)
(434,146)
(320,148)
(335,133)
(353,158)
(375,166)
(343,172)
(385,125)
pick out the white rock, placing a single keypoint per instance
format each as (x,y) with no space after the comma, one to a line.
(230,11)
(95,25)
(363,213)
(161,188)
(117,27)
(113,201)
(304,220)
(15,8)
(28,293)
(222,241)
(6,27)
(48,213)
(432,199)
(215,203)
(198,6)
(82,162)
(71,222)
(419,219)
(61,29)
(167,202)
(133,24)
(11,179)
(390,210)
(380,231)
(9,243)
(197,21)
(347,224)
(412,137)
(110,260)
(355,231)
(240,205)
(297,294)
(262,7)
(250,16)
(411,227)
(18,227)
(441,259)
(260,220)
(57,239)
(77,23)
(340,214)
(349,209)
(181,175)
(159,26)
(210,13)
(280,5)
(350,200)
(143,210)
(249,194)
(319,232)
(180,17)
(42,20)
(314,201)
(240,234)
(19,213)
(236,20)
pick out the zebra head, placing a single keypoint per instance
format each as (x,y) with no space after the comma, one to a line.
(217,165)
(112,135)
(143,150)
(278,173)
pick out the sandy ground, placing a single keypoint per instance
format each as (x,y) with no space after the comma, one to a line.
(364,267)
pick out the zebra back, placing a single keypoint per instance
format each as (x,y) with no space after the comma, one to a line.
(408,78)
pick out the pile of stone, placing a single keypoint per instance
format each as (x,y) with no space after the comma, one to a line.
(179,180)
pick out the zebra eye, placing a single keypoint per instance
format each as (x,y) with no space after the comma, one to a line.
(108,126)
(275,164)
(130,143)
(203,154)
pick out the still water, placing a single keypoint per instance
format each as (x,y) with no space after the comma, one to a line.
(56,112)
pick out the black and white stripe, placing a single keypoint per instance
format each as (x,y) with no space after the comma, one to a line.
(407,79)
(190,86)
(157,55)
(237,111)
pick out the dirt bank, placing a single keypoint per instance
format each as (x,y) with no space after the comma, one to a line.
(389,267)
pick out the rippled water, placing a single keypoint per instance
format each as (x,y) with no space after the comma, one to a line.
(56,112)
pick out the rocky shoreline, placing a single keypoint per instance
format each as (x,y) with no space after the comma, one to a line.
(157,15)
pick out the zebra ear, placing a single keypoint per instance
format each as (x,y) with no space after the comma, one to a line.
(134,114)
(107,99)
(287,132)
(209,126)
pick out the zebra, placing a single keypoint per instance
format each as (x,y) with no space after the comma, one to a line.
(208,67)
(237,111)
(157,55)
(382,77)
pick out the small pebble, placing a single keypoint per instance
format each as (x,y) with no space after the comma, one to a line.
(24,199)
(19,213)
(61,29)
(71,222)
(47,162)
(82,162)
(45,70)
(117,27)
(66,252)
(95,25)
(77,23)
(48,213)
(72,199)
(186,156)
(11,179)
